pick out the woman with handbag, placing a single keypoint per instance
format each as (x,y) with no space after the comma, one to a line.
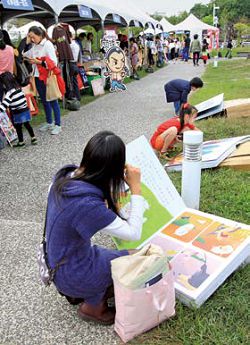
(43,47)
(82,201)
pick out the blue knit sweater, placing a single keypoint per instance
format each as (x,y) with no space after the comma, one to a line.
(72,220)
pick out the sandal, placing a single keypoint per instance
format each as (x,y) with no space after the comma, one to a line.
(34,141)
(19,144)
(165,155)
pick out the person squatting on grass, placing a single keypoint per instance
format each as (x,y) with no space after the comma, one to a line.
(169,132)
(15,100)
(82,201)
(177,91)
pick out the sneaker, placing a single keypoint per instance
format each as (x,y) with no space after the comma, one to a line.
(46,127)
(56,130)
(164,155)
(19,144)
(33,141)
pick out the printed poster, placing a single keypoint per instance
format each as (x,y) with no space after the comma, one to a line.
(7,128)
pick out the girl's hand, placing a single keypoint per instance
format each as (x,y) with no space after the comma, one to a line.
(133,179)
(35,61)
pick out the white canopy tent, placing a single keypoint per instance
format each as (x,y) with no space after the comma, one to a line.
(167,27)
(194,25)
(127,10)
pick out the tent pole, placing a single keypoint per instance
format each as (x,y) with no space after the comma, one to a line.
(56,19)
(102,27)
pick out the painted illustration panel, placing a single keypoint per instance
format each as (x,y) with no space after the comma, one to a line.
(187,226)
(170,247)
(222,239)
(192,268)
(155,216)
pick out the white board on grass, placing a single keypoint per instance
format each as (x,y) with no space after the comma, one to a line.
(203,249)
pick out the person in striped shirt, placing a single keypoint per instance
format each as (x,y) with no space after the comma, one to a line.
(15,100)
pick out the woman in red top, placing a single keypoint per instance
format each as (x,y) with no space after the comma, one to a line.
(168,133)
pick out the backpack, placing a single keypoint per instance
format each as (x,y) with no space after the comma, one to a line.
(22,74)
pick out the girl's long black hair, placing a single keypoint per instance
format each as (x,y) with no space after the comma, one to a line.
(102,165)
(2,43)
(9,81)
(186,109)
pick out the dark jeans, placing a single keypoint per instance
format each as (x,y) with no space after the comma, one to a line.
(48,106)
(177,106)
(160,58)
(1,92)
(76,88)
(185,53)
(19,130)
(196,56)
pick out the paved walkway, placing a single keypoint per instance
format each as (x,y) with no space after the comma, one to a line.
(31,314)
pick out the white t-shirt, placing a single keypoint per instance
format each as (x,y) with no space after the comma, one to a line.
(44,48)
(75,50)
(87,46)
(131,228)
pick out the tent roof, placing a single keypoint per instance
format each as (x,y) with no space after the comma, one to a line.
(105,7)
(42,12)
(66,10)
(166,25)
(194,24)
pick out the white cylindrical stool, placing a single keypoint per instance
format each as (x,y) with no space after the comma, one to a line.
(216,61)
(191,168)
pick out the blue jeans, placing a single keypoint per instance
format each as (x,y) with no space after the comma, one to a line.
(185,53)
(48,106)
(177,106)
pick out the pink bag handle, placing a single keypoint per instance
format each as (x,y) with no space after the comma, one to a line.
(159,306)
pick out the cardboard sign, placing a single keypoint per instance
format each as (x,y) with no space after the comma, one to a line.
(97,87)
(115,61)
(7,128)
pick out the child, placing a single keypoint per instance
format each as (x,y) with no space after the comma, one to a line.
(15,100)
(169,132)
(204,53)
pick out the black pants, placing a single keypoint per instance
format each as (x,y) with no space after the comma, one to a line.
(19,130)
(196,56)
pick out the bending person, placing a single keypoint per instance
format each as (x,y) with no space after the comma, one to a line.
(177,91)
(83,201)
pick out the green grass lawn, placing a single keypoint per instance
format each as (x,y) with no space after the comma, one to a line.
(231,77)
(234,51)
(224,319)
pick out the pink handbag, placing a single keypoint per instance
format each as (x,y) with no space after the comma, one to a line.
(139,310)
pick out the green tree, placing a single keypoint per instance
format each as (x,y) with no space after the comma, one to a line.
(208,19)
(200,10)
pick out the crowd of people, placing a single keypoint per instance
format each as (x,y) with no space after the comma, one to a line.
(148,50)
(39,59)
(35,61)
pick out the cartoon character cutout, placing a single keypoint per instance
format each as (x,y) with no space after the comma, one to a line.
(117,69)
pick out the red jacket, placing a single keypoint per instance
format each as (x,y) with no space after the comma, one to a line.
(43,73)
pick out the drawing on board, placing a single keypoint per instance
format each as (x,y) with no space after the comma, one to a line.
(191,268)
(221,239)
(187,226)
(171,248)
(155,217)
